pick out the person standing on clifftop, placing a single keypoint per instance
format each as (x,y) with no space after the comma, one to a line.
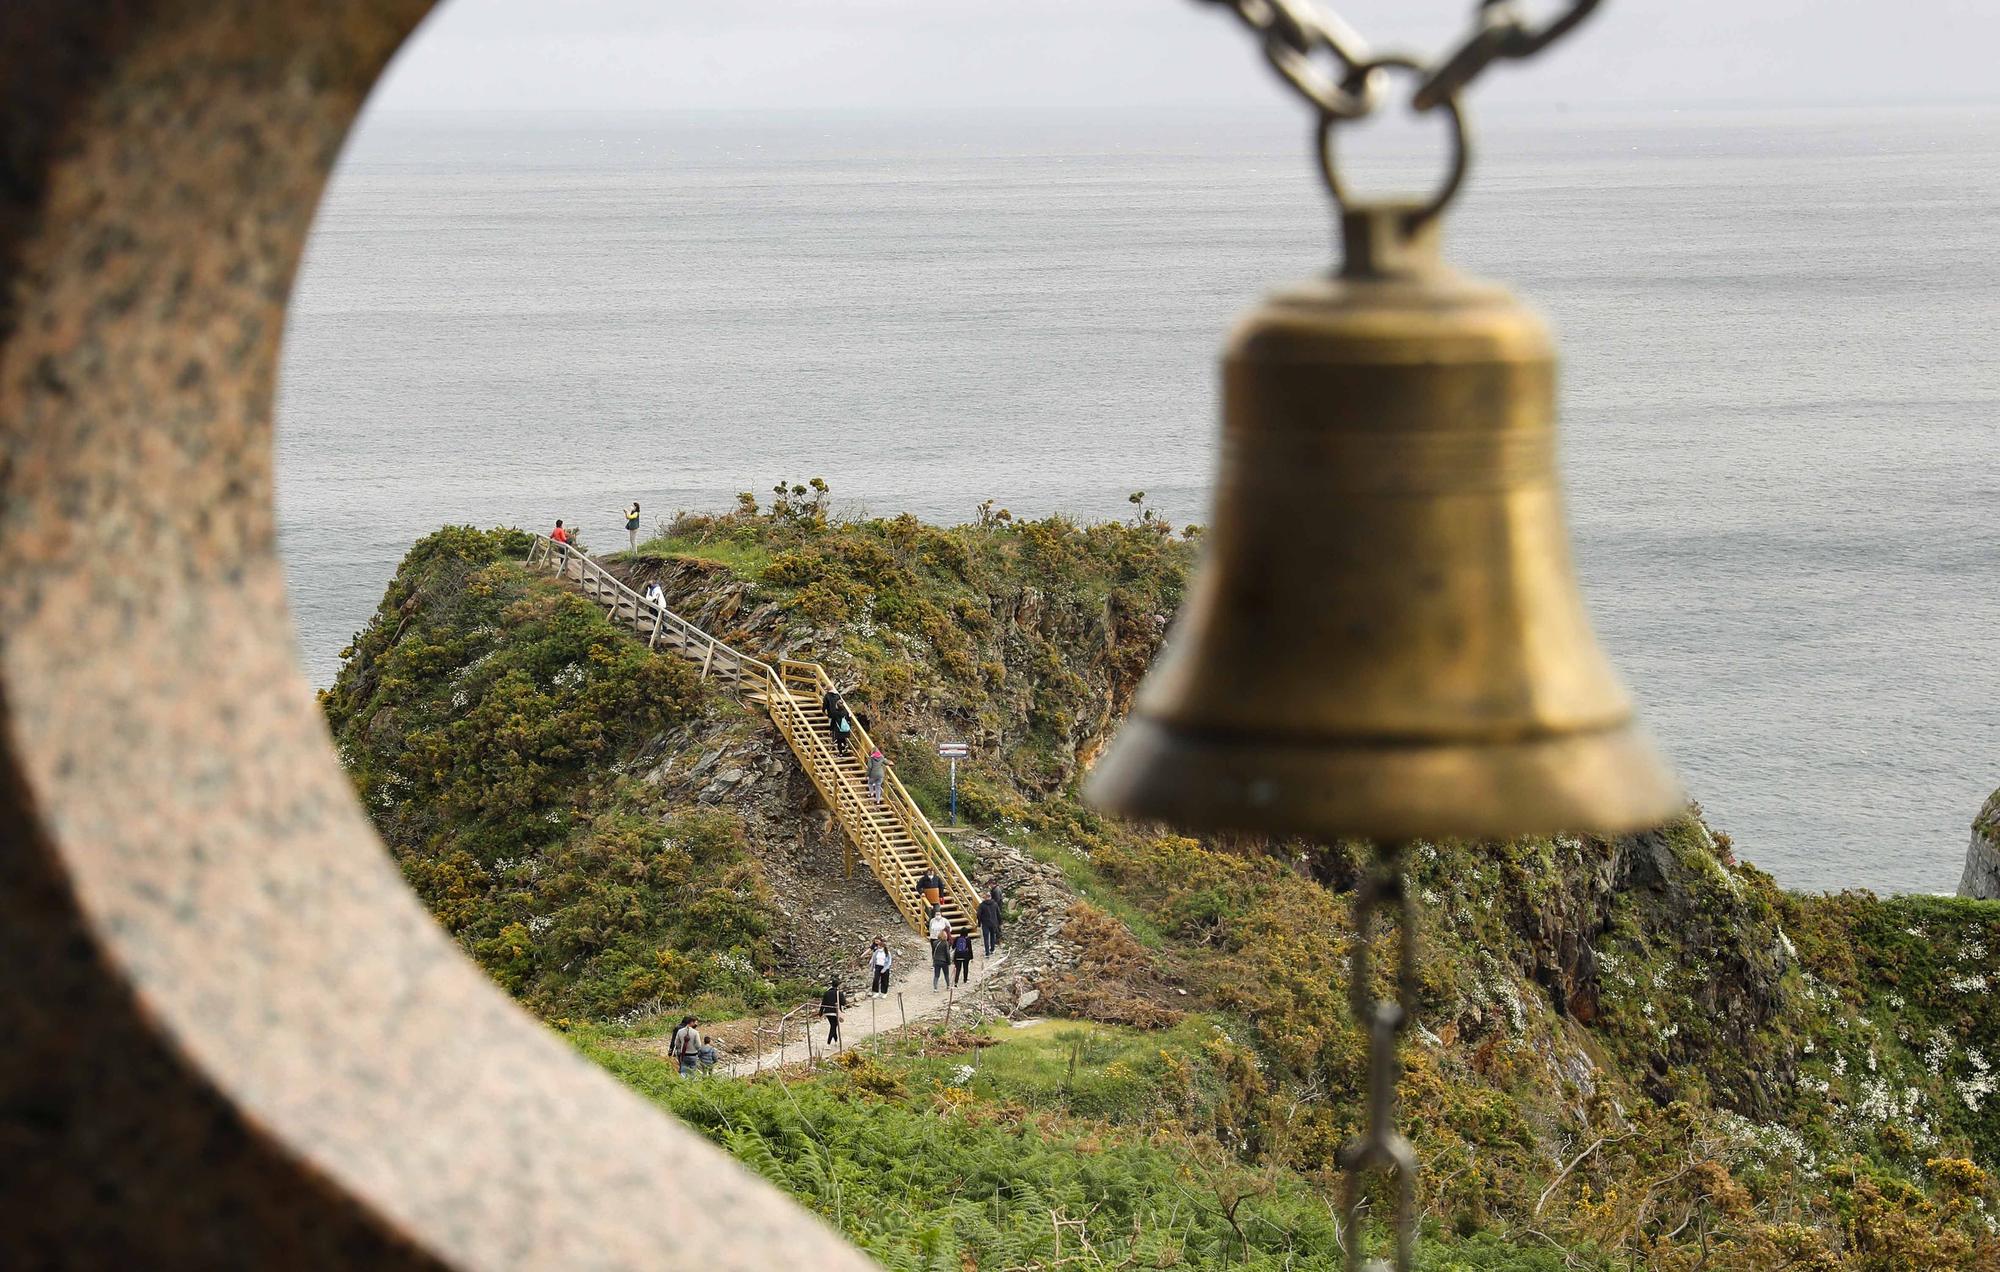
(632,526)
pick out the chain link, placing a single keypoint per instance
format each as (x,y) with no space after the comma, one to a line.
(1380,1148)
(1296,35)
(1502,31)
(1299,40)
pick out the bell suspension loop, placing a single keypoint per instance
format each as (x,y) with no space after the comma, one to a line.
(1380,1148)
(1362,246)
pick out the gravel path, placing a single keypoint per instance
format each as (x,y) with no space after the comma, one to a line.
(910,1000)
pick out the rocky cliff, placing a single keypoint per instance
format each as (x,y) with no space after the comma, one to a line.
(1982,855)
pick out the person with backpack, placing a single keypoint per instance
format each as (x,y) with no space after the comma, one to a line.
(961,956)
(830,1005)
(632,526)
(685,1046)
(989,924)
(880,960)
(941,958)
(878,768)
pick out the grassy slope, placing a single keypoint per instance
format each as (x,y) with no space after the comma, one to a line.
(1759,1079)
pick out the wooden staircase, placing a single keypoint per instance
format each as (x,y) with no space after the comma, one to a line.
(892,835)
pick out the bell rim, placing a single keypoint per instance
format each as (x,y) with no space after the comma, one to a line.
(1604,781)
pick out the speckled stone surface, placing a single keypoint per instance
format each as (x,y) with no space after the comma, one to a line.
(232,1036)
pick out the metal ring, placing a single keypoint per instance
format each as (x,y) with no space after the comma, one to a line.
(1460,144)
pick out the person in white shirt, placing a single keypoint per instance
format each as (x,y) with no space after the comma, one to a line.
(881,960)
(939,924)
(685,1046)
(655,597)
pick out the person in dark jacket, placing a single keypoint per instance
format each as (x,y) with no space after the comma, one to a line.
(835,709)
(989,924)
(941,959)
(831,1003)
(930,888)
(961,956)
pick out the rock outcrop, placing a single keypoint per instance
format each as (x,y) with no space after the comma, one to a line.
(1982,855)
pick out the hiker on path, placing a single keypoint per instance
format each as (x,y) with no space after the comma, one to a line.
(632,526)
(685,1046)
(559,545)
(707,1054)
(993,894)
(843,731)
(941,958)
(940,925)
(830,1005)
(989,924)
(880,960)
(655,597)
(835,710)
(930,888)
(878,768)
(961,956)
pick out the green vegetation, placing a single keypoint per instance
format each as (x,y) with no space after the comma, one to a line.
(744,557)
(1631,1053)
(1026,637)
(488,719)
(1063,1141)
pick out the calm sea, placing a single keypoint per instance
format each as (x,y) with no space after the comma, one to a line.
(1780,398)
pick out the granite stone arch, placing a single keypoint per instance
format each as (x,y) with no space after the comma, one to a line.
(232,1036)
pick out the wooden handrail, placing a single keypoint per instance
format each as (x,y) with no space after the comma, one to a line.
(897,795)
(844,792)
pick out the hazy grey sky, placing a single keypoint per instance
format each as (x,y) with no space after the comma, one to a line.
(829,54)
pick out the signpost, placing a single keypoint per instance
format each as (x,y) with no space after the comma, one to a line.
(954,751)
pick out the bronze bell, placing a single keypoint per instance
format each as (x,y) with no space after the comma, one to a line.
(1386,639)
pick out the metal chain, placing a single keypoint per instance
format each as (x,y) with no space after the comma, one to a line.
(1380,1148)
(1295,34)
(1299,39)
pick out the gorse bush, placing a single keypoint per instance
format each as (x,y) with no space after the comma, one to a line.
(484,716)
